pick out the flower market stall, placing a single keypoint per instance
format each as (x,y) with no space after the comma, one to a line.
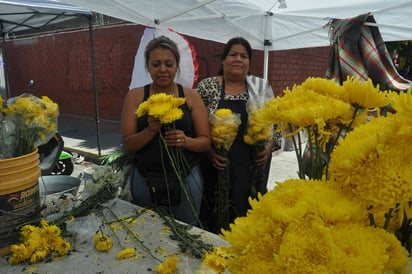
(348,212)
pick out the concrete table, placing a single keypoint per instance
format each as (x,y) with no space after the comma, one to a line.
(152,242)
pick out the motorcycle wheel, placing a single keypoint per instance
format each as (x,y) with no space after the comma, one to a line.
(63,167)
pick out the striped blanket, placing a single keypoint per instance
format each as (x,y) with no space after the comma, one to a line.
(358,50)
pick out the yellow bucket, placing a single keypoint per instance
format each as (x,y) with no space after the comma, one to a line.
(19,194)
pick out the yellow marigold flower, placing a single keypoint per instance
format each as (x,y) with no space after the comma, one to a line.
(126,253)
(169,266)
(223,128)
(38,243)
(102,242)
(26,230)
(217,260)
(375,162)
(402,103)
(19,253)
(384,251)
(308,226)
(61,246)
(364,94)
(256,131)
(328,87)
(223,112)
(162,106)
(38,255)
(304,108)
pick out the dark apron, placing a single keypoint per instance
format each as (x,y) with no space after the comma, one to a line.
(240,157)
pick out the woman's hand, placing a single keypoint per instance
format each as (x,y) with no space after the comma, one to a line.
(176,138)
(218,161)
(264,155)
(153,124)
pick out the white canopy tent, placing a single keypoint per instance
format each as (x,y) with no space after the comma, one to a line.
(21,15)
(267,24)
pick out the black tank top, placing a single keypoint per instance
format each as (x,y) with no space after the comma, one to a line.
(149,157)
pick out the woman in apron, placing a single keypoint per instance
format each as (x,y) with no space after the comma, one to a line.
(233,89)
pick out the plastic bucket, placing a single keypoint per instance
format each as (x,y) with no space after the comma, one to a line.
(19,195)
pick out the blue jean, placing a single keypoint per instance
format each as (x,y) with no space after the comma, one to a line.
(187,210)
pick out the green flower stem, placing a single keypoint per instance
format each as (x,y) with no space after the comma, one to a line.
(298,152)
(388,217)
(179,165)
(336,139)
(222,201)
(133,234)
(187,242)
(258,175)
(371,220)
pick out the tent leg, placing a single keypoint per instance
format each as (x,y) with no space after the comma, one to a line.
(6,94)
(96,101)
(265,62)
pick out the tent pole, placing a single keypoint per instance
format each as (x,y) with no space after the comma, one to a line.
(267,42)
(5,67)
(265,62)
(96,101)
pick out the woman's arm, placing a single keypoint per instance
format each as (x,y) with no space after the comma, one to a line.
(133,140)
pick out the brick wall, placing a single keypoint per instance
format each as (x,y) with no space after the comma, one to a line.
(60,64)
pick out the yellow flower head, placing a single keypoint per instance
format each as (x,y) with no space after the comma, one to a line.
(223,128)
(217,260)
(33,121)
(126,253)
(223,112)
(102,242)
(402,103)
(364,94)
(308,226)
(375,161)
(162,106)
(169,266)
(38,243)
(256,131)
(328,87)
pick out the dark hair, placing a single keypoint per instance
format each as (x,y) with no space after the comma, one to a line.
(164,43)
(235,41)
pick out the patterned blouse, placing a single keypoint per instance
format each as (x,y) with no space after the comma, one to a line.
(210,91)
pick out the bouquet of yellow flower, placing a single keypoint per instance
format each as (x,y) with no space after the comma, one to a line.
(166,187)
(26,122)
(257,135)
(325,111)
(38,243)
(223,130)
(162,106)
(167,109)
(357,219)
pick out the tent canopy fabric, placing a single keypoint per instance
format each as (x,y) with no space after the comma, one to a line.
(21,15)
(267,24)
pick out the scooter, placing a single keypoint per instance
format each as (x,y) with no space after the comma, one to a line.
(53,159)
(64,165)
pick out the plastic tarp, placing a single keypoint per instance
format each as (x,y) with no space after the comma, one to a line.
(301,24)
